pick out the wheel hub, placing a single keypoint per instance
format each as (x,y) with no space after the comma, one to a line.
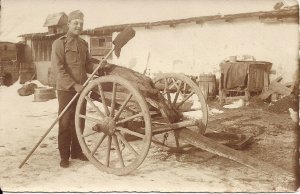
(107,126)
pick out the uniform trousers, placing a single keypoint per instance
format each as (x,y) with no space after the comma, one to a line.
(67,139)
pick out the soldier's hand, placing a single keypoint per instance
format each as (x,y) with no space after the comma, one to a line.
(78,88)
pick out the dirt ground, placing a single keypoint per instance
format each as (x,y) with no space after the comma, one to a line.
(23,122)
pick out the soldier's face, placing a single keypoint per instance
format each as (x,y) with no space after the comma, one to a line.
(75,26)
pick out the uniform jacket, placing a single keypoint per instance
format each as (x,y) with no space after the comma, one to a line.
(71,61)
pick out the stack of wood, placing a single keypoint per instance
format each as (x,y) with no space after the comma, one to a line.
(276,88)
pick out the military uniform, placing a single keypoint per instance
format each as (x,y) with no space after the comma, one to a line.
(70,58)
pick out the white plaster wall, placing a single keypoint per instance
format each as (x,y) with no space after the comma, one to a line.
(28,16)
(42,71)
(199,48)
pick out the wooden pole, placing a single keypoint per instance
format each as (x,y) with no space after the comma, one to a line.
(64,110)
(209,145)
(173,126)
(122,38)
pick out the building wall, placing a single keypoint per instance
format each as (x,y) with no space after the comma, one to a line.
(199,48)
(39,51)
(43,71)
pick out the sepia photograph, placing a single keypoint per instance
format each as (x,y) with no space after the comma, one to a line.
(149,96)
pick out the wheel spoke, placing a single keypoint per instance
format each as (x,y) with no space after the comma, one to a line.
(189,110)
(169,97)
(176,138)
(94,106)
(201,126)
(166,83)
(98,144)
(167,90)
(130,132)
(174,83)
(177,92)
(88,134)
(108,151)
(130,118)
(122,107)
(183,92)
(113,100)
(89,118)
(103,99)
(184,88)
(114,104)
(185,99)
(120,136)
(158,123)
(115,140)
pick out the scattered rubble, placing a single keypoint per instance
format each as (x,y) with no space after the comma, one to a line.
(215,111)
(277,88)
(236,104)
(27,89)
(294,115)
(256,101)
(283,104)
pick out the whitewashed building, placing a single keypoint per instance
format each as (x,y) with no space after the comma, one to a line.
(198,45)
(195,45)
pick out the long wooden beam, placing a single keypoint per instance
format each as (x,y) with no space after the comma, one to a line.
(173,126)
(211,146)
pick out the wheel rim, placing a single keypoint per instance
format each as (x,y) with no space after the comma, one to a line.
(117,132)
(184,96)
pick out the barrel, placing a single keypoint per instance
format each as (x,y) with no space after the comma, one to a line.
(207,84)
(42,94)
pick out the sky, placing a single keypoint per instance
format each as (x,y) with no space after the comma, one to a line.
(28,16)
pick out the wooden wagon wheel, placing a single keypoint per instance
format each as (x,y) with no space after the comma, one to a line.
(114,140)
(185,97)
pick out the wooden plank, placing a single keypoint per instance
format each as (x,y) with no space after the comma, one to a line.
(211,146)
(280,88)
(276,87)
(173,126)
(266,93)
(228,99)
(266,81)
(33,48)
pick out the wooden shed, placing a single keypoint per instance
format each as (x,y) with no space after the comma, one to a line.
(56,23)
(41,45)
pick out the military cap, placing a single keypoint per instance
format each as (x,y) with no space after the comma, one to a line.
(77,14)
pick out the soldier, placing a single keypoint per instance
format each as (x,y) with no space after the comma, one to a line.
(70,58)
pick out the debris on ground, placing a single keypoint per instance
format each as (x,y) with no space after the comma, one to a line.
(236,104)
(215,111)
(276,87)
(294,115)
(233,140)
(44,145)
(193,171)
(256,101)
(27,89)
(283,104)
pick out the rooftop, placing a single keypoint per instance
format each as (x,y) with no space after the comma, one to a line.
(56,19)
(280,15)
